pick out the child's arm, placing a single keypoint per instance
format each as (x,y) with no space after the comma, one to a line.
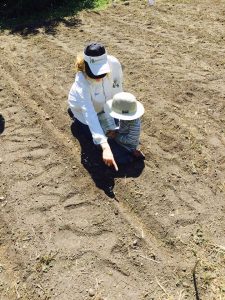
(107,122)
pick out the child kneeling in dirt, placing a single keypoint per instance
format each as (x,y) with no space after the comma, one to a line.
(127,110)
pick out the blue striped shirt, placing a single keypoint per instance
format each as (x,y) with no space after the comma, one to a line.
(129,134)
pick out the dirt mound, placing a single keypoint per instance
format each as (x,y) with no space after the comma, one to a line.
(62,237)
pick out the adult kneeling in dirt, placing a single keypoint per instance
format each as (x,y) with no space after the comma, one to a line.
(98,78)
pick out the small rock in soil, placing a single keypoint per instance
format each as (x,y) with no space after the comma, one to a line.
(91,292)
(135,242)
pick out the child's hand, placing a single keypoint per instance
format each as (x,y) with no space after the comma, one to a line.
(111,134)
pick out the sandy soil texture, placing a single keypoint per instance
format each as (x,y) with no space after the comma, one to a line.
(61,236)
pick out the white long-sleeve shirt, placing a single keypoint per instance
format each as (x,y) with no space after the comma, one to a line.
(87,97)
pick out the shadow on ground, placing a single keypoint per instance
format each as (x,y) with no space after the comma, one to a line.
(2,124)
(103,176)
(47,21)
(47,26)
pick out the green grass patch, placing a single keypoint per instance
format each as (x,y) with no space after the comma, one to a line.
(101,4)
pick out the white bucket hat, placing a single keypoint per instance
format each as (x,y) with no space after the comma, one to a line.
(96,57)
(124,106)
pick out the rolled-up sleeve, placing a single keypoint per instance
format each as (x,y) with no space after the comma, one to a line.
(81,105)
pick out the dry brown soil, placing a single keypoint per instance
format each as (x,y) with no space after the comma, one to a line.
(61,237)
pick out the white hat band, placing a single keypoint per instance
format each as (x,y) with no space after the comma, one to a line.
(95,59)
(121,107)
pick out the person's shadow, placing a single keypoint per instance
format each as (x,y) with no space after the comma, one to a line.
(103,176)
(2,124)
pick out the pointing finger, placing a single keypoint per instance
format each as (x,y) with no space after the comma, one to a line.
(115,165)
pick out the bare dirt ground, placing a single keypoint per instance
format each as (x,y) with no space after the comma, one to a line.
(61,237)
